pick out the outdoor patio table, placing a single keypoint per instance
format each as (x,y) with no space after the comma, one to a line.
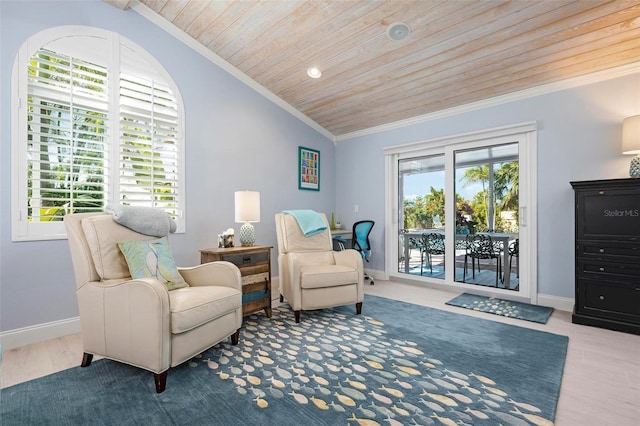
(503,237)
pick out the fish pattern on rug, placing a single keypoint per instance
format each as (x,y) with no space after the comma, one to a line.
(350,370)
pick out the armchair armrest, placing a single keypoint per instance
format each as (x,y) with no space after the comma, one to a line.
(219,273)
(127,321)
(349,257)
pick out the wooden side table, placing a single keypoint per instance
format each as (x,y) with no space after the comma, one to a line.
(254,263)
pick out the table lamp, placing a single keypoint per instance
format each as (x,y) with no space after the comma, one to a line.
(247,211)
(631,143)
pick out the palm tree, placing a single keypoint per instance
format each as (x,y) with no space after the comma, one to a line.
(434,204)
(507,185)
(479,174)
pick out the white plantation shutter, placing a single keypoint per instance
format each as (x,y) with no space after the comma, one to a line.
(67,125)
(149,154)
(98,122)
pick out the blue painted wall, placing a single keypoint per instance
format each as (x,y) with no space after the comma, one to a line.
(235,139)
(578,139)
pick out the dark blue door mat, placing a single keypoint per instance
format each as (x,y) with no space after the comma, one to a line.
(505,308)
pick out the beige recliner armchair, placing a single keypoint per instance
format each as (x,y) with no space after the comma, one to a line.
(312,275)
(138,321)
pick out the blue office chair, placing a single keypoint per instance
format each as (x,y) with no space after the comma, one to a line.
(360,241)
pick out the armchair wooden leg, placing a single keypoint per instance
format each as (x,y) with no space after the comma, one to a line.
(358,308)
(235,337)
(86,360)
(161,381)
(297,315)
(281,298)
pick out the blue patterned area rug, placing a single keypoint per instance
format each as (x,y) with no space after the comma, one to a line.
(396,364)
(505,308)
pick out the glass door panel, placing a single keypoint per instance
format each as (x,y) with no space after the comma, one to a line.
(421,216)
(486,206)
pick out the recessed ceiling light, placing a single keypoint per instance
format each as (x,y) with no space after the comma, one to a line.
(398,31)
(314,72)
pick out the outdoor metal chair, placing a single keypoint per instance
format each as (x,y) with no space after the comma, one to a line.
(481,246)
(514,251)
(416,243)
(433,245)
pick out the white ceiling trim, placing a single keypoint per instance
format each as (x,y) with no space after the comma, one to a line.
(156,19)
(494,133)
(502,99)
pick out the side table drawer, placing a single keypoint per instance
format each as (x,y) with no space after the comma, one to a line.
(255,278)
(248,259)
(252,270)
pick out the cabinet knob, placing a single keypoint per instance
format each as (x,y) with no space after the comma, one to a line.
(601,297)
(600,192)
(601,269)
(601,250)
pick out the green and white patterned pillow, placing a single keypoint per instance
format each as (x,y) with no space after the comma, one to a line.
(152,259)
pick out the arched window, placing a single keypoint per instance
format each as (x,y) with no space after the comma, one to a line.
(96,121)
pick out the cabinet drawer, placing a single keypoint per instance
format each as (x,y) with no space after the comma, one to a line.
(246,259)
(609,299)
(605,249)
(623,272)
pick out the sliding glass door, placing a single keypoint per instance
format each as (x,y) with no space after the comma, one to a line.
(421,208)
(461,209)
(486,206)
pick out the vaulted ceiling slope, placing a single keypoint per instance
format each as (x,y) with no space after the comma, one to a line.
(458,51)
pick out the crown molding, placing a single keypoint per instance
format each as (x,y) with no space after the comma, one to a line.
(120,4)
(584,80)
(155,18)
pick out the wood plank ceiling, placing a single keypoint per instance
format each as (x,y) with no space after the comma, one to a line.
(458,51)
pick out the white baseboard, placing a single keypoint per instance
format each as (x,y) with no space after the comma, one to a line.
(37,333)
(375,274)
(557,302)
(275,288)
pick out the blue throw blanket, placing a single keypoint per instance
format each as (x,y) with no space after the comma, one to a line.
(310,221)
(145,220)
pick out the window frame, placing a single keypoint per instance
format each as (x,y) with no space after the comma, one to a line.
(21,228)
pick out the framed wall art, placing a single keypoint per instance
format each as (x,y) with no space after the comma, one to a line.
(308,169)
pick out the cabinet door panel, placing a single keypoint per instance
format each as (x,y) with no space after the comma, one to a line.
(607,299)
(610,214)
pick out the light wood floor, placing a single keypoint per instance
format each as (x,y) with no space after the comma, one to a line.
(600,385)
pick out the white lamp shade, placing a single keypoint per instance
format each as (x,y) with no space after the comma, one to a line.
(631,135)
(247,206)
